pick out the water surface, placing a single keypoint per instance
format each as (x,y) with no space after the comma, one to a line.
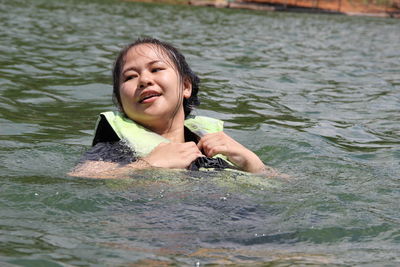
(315,96)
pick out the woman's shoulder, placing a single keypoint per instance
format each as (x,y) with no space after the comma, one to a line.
(117,152)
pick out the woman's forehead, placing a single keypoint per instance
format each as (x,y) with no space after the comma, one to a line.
(148,51)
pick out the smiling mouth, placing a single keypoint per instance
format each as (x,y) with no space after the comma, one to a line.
(148,97)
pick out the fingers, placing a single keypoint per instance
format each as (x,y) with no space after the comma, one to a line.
(173,155)
(212,150)
(188,151)
(213,144)
(221,143)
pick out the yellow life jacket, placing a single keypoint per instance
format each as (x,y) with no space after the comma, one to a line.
(143,141)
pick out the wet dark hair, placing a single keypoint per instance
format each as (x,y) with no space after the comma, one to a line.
(176,57)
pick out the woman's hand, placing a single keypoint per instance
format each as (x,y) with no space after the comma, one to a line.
(221,143)
(173,155)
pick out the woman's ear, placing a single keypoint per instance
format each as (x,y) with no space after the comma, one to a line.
(187,88)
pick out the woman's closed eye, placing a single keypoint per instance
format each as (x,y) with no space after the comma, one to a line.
(130,77)
(156,69)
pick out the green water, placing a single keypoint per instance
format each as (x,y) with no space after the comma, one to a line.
(315,96)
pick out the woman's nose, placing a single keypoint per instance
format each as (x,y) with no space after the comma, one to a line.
(145,80)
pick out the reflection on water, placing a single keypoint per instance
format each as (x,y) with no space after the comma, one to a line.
(315,96)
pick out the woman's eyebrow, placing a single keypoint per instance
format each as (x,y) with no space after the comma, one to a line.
(154,62)
(147,64)
(128,69)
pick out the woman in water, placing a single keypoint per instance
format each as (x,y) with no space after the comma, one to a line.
(156,90)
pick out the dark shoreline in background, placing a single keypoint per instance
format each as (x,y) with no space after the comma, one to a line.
(387,8)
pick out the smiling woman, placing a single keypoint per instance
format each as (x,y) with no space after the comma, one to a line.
(151,89)
(156,90)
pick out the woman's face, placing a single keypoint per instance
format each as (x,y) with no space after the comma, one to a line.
(151,90)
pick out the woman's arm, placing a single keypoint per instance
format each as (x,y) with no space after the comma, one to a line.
(165,155)
(106,170)
(107,160)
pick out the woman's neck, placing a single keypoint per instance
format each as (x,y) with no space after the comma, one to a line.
(173,130)
(175,135)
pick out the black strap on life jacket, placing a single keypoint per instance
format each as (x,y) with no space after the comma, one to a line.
(209,163)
